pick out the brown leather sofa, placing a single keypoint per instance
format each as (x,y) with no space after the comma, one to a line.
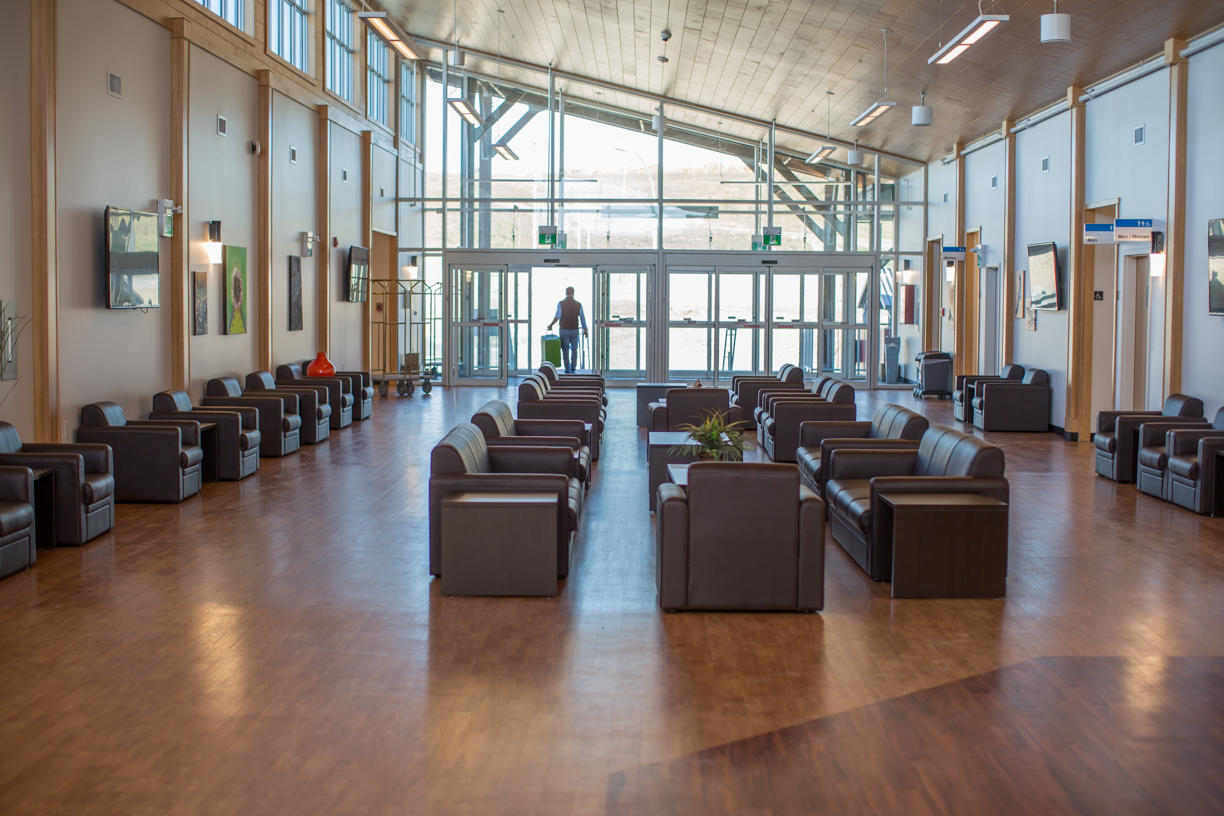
(496,421)
(279,422)
(340,397)
(312,403)
(84,484)
(946,461)
(237,431)
(741,536)
(966,384)
(153,461)
(18,549)
(1117,435)
(463,462)
(891,427)
(1007,405)
(533,403)
(744,390)
(691,405)
(1190,464)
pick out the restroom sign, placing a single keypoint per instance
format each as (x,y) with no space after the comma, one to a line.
(1133,229)
(1098,233)
(954,253)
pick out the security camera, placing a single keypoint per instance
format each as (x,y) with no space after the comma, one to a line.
(665,34)
(255,148)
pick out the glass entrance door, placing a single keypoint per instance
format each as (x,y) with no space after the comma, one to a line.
(620,344)
(740,293)
(794,319)
(478,324)
(691,347)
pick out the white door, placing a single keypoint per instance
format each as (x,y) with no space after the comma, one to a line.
(988,361)
(1134,335)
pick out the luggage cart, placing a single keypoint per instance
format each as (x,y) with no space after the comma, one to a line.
(405,335)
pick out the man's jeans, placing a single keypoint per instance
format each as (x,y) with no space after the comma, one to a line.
(569,349)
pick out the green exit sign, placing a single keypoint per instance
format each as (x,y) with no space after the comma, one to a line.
(773,236)
(548,236)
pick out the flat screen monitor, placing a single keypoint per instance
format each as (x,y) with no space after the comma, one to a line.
(1045,278)
(358,274)
(132,272)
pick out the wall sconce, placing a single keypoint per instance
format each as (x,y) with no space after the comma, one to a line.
(213,245)
(309,239)
(412,267)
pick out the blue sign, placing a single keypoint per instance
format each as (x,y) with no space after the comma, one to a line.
(1134,222)
(1098,233)
(954,253)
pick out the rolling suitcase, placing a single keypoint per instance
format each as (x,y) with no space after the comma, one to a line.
(550,349)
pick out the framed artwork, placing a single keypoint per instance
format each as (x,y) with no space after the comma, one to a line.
(1215,266)
(235,265)
(1021,294)
(295,293)
(199,301)
(1030,315)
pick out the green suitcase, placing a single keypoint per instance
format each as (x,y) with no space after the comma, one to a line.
(550,349)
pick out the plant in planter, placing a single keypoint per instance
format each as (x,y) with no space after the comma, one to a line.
(714,439)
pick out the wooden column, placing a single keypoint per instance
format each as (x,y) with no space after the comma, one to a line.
(44,309)
(367,232)
(959,328)
(180,245)
(1009,240)
(1079,281)
(263,207)
(1175,227)
(323,249)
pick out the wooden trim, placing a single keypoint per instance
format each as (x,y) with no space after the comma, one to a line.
(324,248)
(44,311)
(264,221)
(973,299)
(367,232)
(180,244)
(1008,269)
(959,325)
(1175,235)
(1079,281)
(932,281)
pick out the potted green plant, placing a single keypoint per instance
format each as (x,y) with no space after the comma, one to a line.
(714,439)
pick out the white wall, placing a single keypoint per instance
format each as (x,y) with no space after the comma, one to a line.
(1203,334)
(346,227)
(382,189)
(109,152)
(941,220)
(984,213)
(1043,213)
(16,396)
(223,187)
(294,211)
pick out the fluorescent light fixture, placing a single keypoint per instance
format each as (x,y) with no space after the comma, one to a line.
(464,108)
(389,32)
(820,155)
(505,152)
(979,28)
(874,112)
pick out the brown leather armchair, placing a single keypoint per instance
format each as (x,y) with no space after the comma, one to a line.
(555,377)
(691,405)
(279,422)
(534,404)
(338,394)
(825,389)
(18,549)
(562,388)
(497,423)
(891,427)
(744,390)
(1007,405)
(1190,469)
(237,431)
(312,403)
(741,536)
(154,461)
(946,461)
(463,462)
(966,385)
(84,484)
(1117,436)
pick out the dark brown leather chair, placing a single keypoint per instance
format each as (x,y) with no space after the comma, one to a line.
(891,427)
(744,390)
(361,386)
(313,406)
(691,405)
(1007,405)
(463,462)
(18,549)
(962,397)
(554,376)
(741,536)
(782,413)
(533,403)
(946,461)
(1189,472)
(279,422)
(825,389)
(339,391)
(84,484)
(496,421)
(1117,436)
(561,388)
(237,431)
(154,461)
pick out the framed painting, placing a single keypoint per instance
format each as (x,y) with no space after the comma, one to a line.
(295,293)
(234,260)
(1019,312)
(199,302)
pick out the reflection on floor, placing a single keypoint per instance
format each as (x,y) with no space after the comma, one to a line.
(277,646)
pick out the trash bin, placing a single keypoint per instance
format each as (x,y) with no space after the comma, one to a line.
(934,374)
(550,349)
(892,360)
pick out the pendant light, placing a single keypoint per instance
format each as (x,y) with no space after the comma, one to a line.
(502,148)
(461,104)
(389,32)
(979,28)
(1056,28)
(854,157)
(922,114)
(826,149)
(883,106)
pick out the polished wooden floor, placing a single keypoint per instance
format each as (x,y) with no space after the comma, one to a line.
(277,646)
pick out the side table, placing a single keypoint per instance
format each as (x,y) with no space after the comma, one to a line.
(499,543)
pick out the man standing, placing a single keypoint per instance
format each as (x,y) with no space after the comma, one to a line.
(569,312)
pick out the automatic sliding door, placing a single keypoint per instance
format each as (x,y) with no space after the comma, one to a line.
(845,301)
(690,323)
(478,325)
(795,320)
(738,332)
(621,298)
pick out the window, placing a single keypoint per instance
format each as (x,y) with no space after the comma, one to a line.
(1045,164)
(408,90)
(231,11)
(378,78)
(287,31)
(340,48)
